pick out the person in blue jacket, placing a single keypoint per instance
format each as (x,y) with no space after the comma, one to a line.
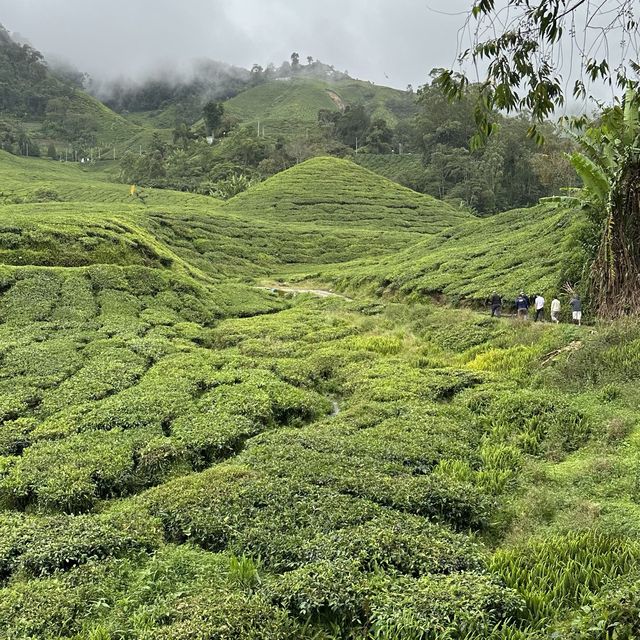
(522,306)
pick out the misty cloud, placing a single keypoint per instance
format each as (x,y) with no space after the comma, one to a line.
(393,42)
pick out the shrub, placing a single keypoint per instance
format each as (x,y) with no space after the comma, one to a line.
(399,542)
(70,474)
(614,612)
(535,421)
(45,194)
(464,605)
(324,590)
(43,545)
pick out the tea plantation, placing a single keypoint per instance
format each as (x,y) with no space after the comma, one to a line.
(290,105)
(186,456)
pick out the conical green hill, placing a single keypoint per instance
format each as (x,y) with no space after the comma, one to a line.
(335,192)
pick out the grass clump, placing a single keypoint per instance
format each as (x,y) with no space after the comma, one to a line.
(562,572)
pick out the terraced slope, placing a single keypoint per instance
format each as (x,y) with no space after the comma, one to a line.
(321,212)
(33,180)
(184,456)
(534,249)
(406,169)
(330,210)
(331,191)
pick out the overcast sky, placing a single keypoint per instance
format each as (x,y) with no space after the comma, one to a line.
(392,42)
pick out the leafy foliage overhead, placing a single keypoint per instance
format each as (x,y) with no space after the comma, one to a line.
(519,43)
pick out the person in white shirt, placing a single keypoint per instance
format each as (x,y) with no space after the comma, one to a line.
(539,304)
(555,310)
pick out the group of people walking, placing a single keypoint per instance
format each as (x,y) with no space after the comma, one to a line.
(523,303)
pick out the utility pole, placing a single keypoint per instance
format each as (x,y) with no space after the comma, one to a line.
(356,145)
(114,152)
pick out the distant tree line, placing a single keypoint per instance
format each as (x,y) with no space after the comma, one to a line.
(509,171)
(30,91)
(15,139)
(26,86)
(208,80)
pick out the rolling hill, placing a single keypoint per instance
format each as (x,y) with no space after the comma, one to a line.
(290,106)
(185,455)
(332,191)
(536,250)
(323,211)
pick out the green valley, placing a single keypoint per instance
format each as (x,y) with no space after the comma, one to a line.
(267,366)
(186,455)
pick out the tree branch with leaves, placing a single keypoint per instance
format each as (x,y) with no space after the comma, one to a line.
(520,43)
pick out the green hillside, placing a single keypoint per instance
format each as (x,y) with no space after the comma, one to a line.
(337,211)
(536,250)
(40,107)
(407,169)
(111,129)
(338,192)
(291,105)
(323,211)
(187,455)
(39,179)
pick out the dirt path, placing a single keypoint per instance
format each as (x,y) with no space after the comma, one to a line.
(321,293)
(337,100)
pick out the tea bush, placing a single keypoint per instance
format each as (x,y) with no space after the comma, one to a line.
(36,546)
(462,605)
(186,455)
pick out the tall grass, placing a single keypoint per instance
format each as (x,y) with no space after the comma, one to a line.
(564,571)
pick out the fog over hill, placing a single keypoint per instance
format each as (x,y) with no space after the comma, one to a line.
(390,43)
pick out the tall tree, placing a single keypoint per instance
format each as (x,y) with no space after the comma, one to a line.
(379,136)
(212,112)
(524,45)
(352,125)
